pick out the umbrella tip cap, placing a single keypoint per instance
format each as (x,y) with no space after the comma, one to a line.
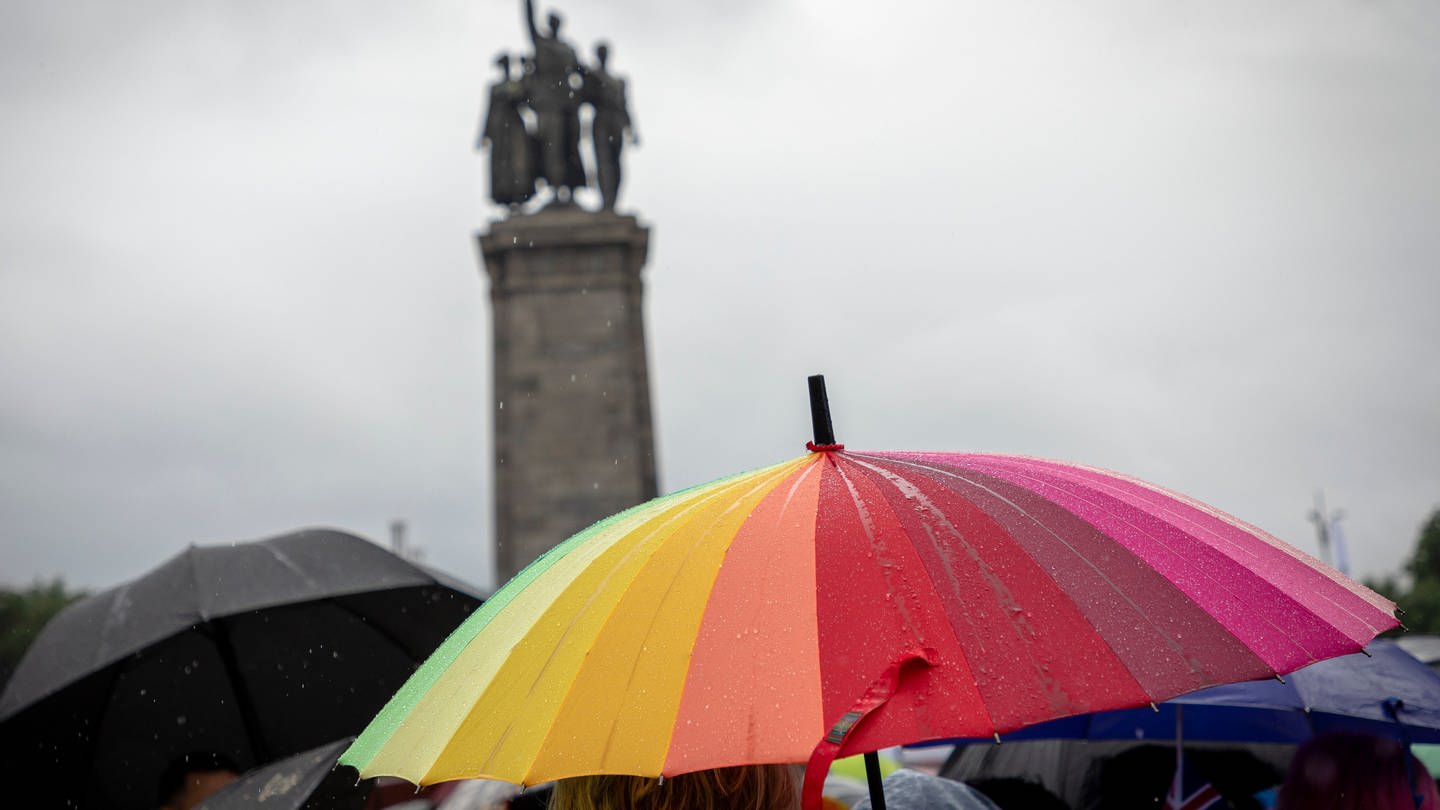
(820,412)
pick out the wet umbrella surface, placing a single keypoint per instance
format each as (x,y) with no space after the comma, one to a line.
(844,602)
(256,651)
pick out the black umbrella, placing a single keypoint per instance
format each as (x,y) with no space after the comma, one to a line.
(306,781)
(253,650)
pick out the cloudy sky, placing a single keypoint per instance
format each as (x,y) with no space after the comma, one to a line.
(1195,243)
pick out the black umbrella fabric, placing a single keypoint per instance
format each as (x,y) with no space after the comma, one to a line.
(307,781)
(253,650)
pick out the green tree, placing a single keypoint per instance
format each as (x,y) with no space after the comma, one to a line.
(1425,562)
(1421,600)
(22,613)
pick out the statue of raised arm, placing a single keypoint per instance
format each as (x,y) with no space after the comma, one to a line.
(611,125)
(556,104)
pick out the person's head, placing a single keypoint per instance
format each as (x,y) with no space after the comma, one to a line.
(602,53)
(1348,771)
(746,787)
(554,20)
(190,779)
(503,62)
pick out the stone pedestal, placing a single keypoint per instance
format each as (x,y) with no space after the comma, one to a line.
(573,435)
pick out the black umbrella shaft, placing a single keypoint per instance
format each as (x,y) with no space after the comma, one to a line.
(820,415)
(872,776)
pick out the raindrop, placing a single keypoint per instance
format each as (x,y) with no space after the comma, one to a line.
(180,720)
(595,485)
(502,404)
(572,378)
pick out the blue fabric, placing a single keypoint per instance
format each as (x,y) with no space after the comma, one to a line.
(1346,693)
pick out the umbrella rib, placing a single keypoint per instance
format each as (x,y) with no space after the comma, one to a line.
(996,585)
(1196,529)
(392,638)
(574,617)
(1104,488)
(867,526)
(670,587)
(671,521)
(202,610)
(220,636)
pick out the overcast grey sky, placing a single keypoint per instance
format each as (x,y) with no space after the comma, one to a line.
(239,294)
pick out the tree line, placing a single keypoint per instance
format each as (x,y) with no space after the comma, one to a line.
(1418,593)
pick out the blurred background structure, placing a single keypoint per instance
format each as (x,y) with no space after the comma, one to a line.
(573,440)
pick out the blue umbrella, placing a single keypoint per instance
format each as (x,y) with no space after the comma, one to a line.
(1388,692)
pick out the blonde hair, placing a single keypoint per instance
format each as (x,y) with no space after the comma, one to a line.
(746,787)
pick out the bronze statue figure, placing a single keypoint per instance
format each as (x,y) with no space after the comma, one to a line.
(512,149)
(532,121)
(557,106)
(606,93)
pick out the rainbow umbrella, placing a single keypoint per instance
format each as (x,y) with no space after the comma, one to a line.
(844,602)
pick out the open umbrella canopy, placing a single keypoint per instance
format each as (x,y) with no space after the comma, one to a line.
(252,650)
(844,602)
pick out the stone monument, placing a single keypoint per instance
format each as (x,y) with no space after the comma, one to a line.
(572,424)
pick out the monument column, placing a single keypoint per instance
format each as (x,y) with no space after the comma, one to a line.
(572,424)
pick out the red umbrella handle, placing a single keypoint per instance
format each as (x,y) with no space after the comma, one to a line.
(881,690)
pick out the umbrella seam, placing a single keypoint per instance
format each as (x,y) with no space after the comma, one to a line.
(779,473)
(1103,576)
(485,764)
(669,524)
(955,585)
(1204,536)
